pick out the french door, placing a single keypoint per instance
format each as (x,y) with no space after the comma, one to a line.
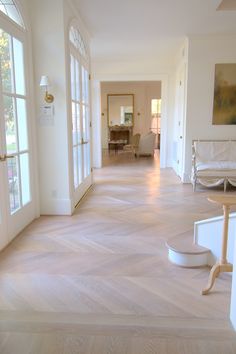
(16,204)
(80,100)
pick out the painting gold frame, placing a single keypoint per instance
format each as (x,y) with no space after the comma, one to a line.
(224,106)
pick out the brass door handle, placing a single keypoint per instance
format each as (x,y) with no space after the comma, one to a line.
(83,142)
(5,157)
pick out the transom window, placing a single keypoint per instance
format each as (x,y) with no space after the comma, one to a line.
(77,41)
(9,8)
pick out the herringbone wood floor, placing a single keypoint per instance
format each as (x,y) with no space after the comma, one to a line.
(100,282)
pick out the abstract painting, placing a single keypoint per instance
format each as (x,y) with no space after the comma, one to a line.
(224,108)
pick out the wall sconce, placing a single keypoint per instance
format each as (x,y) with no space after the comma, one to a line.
(44,83)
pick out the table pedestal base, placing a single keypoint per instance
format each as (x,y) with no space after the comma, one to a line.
(215,271)
(222,265)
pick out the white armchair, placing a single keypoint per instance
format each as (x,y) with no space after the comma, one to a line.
(147,144)
(134,143)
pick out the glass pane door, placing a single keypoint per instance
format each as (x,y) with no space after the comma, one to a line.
(80,128)
(86,122)
(15,154)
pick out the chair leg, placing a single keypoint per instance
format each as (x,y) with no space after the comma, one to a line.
(194,184)
(225,185)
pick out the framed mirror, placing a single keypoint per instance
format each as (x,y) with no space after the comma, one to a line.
(120,110)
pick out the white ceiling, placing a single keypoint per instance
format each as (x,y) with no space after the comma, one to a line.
(126,29)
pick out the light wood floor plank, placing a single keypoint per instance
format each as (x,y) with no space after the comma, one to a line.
(100,282)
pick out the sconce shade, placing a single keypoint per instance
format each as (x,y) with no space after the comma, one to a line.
(44,81)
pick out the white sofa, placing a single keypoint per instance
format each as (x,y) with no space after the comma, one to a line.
(146,144)
(214,163)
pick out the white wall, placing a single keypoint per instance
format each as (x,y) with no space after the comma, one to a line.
(204,53)
(105,67)
(49,59)
(50,26)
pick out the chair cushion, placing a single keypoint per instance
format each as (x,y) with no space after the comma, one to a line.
(217,168)
(216,165)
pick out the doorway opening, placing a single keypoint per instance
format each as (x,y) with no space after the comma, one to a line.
(128,110)
(156,120)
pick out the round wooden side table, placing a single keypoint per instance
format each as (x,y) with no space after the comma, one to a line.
(222,265)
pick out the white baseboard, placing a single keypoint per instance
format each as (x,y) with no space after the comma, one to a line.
(186,178)
(175,167)
(56,207)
